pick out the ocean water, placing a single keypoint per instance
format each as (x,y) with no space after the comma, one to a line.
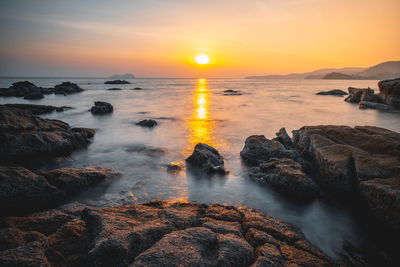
(196,110)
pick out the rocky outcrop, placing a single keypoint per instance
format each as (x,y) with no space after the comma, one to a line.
(389,91)
(37,109)
(206,159)
(117,82)
(283,138)
(30,91)
(374,105)
(345,156)
(101,108)
(335,92)
(356,93)
(147,123)
(25,136)
(154,234)
(23,191)
(383,199)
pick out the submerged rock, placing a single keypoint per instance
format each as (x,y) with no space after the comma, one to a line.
(117,82)
(137,88)
(232,92)
(37,109)
(207,159)
(335,92)
(114,89)
(147,123)
(159,233)
(101,108)
(25,136)
(24,191)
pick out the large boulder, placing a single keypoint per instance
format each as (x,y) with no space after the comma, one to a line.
(147,123)
(20,89)
(101,108)
(66,88)
(25,136)
(383,199)
(345,156)
(158,233)
(389,87)
(355,94)
(207,159)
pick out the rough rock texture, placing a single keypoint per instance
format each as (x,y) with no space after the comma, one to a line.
(101,108)
(157,233)
(374,105)
(287,176)
(207,159)
(345,156)
(37,109)
(284,138)
(335,92)
(24,191)
(389,91)
(66,88)
(356,93)
(117,82)
(24,136)
(383,199)
(147,123)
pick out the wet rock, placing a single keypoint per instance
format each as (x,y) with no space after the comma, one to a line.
(383,199)
(66,88)
(101,108)
(284,138)
(287,176)
(356,93)
(19,89)
(154,234)
(34,95)
(25,136)
(147,123)
(174,168)
(117,82)
(373,105)
(232,92)
(23,191)
(258,149)
(13,238)
(206,159)
(89,132)
(389,87)
(37,109)
(73,180)
(114,89)
(335,92)
(345,156)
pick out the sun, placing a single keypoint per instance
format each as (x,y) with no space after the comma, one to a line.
(202,59)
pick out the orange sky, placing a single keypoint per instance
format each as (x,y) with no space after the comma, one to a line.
(160,38)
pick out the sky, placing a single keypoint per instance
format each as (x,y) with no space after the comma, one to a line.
(160,38)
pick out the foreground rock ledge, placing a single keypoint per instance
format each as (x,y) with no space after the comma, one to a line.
(157,233)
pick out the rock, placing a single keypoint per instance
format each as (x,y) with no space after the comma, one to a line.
(370,97)
(284,138)
(373,105)
(147,123)
(392,100)
(114,89)
(117,82)
(389,87)
(137,88)
(383,199)
(37,109)
(258,149)
(232,92)
(206,159)
(157,233)
(67,88)
(89,132)
(287,176)
(34,95)
(146,150)
(73,180)
(101,108)
(20,89)
(174,168)
(25,136)
(335,92)
(343,156)
(356,93)
(24,191)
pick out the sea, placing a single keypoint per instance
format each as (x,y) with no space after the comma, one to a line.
(189,111)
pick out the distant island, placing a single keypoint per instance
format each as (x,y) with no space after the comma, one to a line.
(385,70)
(122,76)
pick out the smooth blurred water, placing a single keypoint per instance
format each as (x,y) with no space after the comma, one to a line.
(196,110)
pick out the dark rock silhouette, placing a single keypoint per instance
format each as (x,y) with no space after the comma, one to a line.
(37,109)
(66,88)
(154,234)
(114,89)
(335,92)
(117,82)
(30,91)
(101,108)
(147,123)
(206,159)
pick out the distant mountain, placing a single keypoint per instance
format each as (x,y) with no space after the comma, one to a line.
(317,74)
(123,76)
(382,71)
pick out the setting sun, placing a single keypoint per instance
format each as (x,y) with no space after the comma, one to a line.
(202,59)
